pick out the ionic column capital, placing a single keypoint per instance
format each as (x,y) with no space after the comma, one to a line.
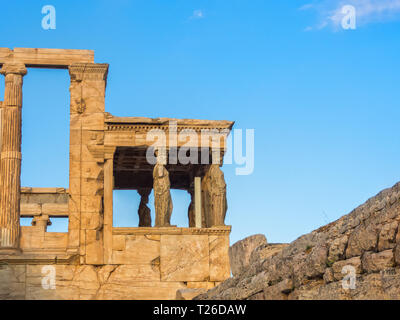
(41,221)
(13,68)
(88,71)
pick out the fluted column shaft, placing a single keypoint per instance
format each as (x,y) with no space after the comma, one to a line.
(10,157)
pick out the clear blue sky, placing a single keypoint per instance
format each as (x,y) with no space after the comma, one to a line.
(324,102)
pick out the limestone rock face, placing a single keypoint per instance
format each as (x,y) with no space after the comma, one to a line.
(374,262)
(240,252)
(264,251)
(355,257)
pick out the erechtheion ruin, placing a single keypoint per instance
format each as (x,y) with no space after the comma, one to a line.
(95,260)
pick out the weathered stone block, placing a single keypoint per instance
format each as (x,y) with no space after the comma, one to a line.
(131,273)
(148,290)
(94,247)
(87,121)
(86,137)
(91,203)
(184,258)
(138,250)
(219,258)
(91,220)
(55,240)
(35,272)
(40,288)
(87,170)
(86,187)
(73,237)
(79,153)
(12,282)
(31,237)
(118,242)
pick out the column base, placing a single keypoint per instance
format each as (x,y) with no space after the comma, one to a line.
(10,251)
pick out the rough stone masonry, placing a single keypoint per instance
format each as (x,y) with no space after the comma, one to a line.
(311,267)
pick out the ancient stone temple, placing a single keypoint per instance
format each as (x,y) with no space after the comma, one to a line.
(94,259)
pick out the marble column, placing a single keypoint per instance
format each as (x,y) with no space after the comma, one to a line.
(10,158)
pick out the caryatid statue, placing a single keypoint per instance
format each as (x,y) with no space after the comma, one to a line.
(162,195)
(191,213)
(144,210)
(215,189)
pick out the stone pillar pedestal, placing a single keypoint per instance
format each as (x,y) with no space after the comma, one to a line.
(86,165)
(10,158)
(197,201)
(108,203)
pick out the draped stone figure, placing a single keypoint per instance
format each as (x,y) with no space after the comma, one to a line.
(144,210)
(214,197)
(191,212)
(162,196)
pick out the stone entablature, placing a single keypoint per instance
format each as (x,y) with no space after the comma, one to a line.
(44,201)
(46,58)
(145,124)
(94,260)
